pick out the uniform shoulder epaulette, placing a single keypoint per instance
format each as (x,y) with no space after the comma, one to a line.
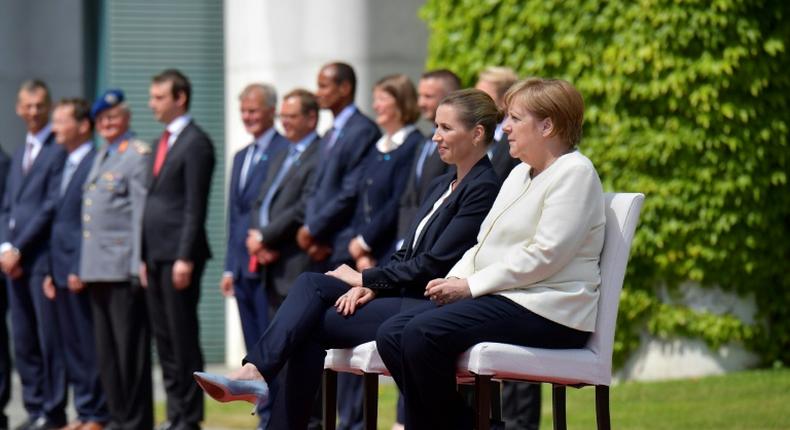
(141,147)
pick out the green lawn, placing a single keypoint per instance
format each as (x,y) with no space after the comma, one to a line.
(744,400)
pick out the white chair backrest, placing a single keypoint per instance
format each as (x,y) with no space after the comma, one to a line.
(622,216)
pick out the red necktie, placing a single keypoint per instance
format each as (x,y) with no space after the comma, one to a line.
(161,152)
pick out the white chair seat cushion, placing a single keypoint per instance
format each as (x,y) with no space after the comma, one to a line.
(503,361)
(362,358)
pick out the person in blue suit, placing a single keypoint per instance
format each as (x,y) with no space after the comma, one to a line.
(250,167)
(344,307)
(5,355)
(331,201)
(375,222)
(30,194)
(73,127)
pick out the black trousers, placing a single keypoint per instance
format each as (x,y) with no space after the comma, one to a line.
(123,351)
(305,326)
(5,356)
(420,348)
(521,405)
(174,320)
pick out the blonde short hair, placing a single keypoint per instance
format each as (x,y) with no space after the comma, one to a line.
(551,98)
(502,78)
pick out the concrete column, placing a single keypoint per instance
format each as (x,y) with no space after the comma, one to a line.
(285,44)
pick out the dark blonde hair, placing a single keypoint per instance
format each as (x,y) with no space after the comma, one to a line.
(551,98)
(502,78)
(402,89)
(475,107)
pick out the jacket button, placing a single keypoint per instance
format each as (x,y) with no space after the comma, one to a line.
(86,218)
(88,202)
(86,234)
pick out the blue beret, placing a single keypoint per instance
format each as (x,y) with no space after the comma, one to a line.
(109,99)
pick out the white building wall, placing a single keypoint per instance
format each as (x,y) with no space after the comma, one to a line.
(285,44)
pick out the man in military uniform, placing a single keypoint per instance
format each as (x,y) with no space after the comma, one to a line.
(112,210)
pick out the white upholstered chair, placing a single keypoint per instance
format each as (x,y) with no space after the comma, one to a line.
(483,362)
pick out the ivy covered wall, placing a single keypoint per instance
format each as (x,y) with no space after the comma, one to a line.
(687,102)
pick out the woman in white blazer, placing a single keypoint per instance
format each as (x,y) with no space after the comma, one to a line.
(532,278)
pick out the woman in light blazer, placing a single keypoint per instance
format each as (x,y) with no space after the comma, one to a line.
(532,278)
(344,307)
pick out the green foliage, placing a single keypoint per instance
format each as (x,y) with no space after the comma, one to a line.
(687,102)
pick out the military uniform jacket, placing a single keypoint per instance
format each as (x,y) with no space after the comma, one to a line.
(112,212)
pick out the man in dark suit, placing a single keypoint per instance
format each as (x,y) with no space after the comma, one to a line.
(112,209)
(73,128)
(279,209)
(31,193)
(5,356)
(250,164)
(427,165)
(331,202)
(520,400)
(495,82)
(175,244)
(250,167)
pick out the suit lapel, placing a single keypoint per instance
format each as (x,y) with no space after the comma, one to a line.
(40,160)
(175,151)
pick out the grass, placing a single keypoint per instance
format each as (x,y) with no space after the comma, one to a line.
(757,399)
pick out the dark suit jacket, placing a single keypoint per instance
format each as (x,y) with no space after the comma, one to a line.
(501,159)
(378,197)
(175,209)
(450,231)
(28,204)
(66,237)
(286,215)
(415,191)
(240,203)
(333,198)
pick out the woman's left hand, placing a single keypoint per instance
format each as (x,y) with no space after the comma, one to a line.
(445,291)
(346,274)
(354,298)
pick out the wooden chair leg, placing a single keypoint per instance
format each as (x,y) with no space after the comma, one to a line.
(558,405)
(602,407)
(482,401)
(330,399)
(371,403)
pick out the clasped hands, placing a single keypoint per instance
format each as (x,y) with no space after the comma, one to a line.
(257,248)
(10,264)
(444,291)
(316,251)
(361,256)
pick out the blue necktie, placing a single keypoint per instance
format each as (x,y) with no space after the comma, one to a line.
(293,154)
(68,172)
(427,150)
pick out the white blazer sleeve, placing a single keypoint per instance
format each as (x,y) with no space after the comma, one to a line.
(564,223)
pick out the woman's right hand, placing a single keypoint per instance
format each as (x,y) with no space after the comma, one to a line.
(354,298)
(346,274)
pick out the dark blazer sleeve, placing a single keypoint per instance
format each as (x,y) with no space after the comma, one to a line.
(282,228)
(198,170)
(5,202)
(457,236)
(335,214)
(235,170)
(44,214)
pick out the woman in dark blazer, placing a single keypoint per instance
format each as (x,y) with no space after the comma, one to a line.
(344,307)
(375,221)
